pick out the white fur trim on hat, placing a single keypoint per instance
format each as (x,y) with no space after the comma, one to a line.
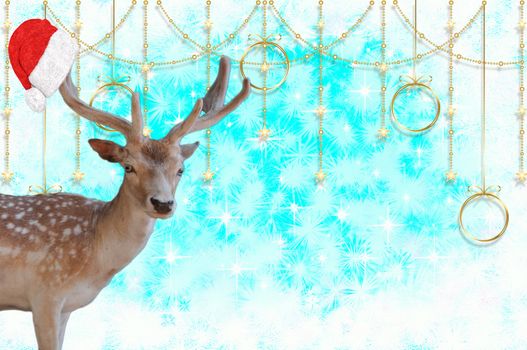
(35,99)
(54,64)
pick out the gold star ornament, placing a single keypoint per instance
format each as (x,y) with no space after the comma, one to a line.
(264,67)
(450,176)
(147,131)
(320,176)
(7,176)
(383,133)
(521,176)
(320,111)
(263,134)
(78,175)
(208,175)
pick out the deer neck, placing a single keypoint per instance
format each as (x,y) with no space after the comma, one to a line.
(122,231)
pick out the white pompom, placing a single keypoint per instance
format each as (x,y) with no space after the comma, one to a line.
(35,99)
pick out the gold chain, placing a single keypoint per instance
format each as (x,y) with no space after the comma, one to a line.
(521,175)
(90,47)
(457,35)
(264,133)
(146,70)
(451,175)
(93,48)
(7,174)
(208,175)
(44,189)
(78,175)
(320,175)
(341,37)
(383,132)
(194,42)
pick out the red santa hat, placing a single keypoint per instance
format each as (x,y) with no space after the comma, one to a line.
(41,56)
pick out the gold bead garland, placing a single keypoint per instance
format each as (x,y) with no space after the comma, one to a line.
(78,175)
(264,133)
(457,35)
(521,175)
(108,35)
(320,175)
(194,42)
(7,174)
(146,70)
(450,175)
(208,175)
(383,132)
(44,189)
(343,36)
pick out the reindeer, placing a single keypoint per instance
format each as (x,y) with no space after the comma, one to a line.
(57,252)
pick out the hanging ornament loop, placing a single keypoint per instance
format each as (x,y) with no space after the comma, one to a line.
(413,82)
(410,83)
(106,87)
(265,42)
(483,191)
(489,193)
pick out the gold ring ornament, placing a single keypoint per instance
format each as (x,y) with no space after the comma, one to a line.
(491,193)
(266,42)
(111,84)
(422,83)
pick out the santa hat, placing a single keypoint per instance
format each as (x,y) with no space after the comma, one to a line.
(41,56)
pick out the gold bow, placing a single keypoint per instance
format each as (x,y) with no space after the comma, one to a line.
(262,39)
(480,190)
(112,81)
(408,79)
(37,189)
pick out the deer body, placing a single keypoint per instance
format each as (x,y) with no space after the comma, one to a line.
(70,254)
(58,251)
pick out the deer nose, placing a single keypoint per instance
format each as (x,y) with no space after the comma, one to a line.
(162,207)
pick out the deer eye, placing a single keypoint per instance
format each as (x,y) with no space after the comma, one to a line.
(180,172)
(129,169)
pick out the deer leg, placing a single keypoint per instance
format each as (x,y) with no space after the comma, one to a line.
(47,322)
(64,317)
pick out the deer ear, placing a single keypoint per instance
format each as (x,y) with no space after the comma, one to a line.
(108,150)
(188,150)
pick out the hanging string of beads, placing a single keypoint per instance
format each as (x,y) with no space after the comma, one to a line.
(7,174)
(451,175)
(146,70)
(320,175)
(264,133)
(208,175)
(78,175)
(521,175)
(383,132)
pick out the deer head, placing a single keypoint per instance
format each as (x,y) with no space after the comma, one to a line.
(153,168)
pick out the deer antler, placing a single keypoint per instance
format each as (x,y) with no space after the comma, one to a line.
(131,131)
(213,103)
